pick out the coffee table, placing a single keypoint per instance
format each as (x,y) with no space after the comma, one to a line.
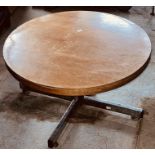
(77,54)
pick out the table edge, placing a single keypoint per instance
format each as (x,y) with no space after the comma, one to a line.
(77,91)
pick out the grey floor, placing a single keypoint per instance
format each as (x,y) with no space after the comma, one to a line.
(26,121)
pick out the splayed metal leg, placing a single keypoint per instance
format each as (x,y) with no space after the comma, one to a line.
(135,113)
(52,142)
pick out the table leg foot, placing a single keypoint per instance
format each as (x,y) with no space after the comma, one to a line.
(152,13)
(23,88)
(51,144)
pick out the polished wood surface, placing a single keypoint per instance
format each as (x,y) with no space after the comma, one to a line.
(77,53)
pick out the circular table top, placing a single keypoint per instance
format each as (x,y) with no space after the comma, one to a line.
(77,52)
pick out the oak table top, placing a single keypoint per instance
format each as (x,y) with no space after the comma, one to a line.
(77,53)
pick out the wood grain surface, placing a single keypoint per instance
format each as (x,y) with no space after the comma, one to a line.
(77,53)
